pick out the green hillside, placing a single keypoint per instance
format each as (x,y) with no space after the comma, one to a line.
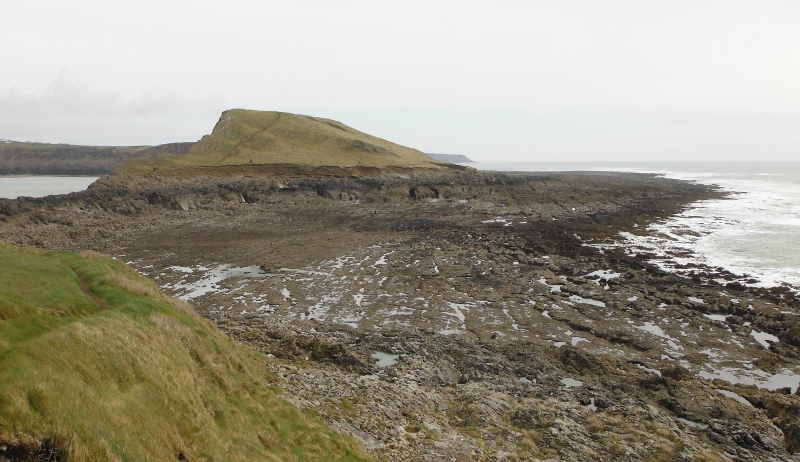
(96,364)
(244,137)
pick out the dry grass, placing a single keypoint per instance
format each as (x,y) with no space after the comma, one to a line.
(706,455)
(135,285)
(144,379)
(615,420)
(661,431)
(665,451)
(182,306)
(93,255)
(600,422)
(244,137)
(530,439)
(140,285)
(171,326)
(594,424)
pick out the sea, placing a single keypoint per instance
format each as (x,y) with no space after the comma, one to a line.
(12,187)
(754,232)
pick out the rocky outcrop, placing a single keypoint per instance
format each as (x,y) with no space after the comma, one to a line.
(517,334)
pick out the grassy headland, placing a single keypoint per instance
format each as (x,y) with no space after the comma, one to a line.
(97,364)
(244,137)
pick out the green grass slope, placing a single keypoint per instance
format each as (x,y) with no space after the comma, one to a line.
(97,364)
(244,137)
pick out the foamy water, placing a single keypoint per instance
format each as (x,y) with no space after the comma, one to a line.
(755,232)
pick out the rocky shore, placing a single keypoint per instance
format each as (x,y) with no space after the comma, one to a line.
(460,315)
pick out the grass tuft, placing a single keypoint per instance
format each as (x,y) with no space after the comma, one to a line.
(93,255)
(97,364)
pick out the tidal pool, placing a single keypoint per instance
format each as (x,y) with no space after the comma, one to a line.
(385,359)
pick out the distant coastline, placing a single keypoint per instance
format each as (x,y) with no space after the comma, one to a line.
(25,158)
(452,158)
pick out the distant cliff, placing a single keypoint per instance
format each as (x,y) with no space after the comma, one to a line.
(452,158)
(23,158)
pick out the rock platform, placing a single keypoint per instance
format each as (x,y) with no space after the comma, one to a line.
(518,335)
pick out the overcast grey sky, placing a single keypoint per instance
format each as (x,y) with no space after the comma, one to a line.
(495,80)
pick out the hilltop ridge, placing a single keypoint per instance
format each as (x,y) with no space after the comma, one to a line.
(247,137)
(260,142)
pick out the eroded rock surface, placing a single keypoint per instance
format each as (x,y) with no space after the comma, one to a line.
(517,336)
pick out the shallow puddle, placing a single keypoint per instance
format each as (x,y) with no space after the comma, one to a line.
(385,359)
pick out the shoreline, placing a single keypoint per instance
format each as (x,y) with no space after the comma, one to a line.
(710,220)
(511,333)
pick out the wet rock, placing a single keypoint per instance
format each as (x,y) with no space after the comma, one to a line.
(676,372)
(458,274)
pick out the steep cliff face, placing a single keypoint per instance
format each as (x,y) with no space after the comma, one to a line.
(244,137)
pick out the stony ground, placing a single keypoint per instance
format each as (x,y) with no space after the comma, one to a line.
(509,330)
